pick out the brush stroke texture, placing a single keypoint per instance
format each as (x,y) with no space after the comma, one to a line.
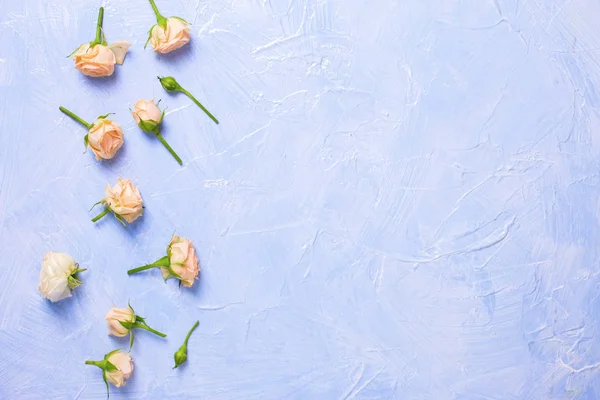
(401,200)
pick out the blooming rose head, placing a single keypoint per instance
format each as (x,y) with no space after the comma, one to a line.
(94,61)
(183,261)
(122,361)
(117,319)
(147,115)
(105,138)
(124,199)
(57,277)
(174,36)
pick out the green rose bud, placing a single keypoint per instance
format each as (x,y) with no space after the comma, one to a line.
(169,83)
(181,354)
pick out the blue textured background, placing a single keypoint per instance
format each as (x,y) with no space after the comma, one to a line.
(401,201)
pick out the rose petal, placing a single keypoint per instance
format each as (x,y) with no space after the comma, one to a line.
(120,49)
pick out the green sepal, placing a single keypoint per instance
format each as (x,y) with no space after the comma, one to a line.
(147,126)
(73,282)
(126,325)
(120,219)
(149,37)
(104,116)
(86,141)
(181,19)
(100,202)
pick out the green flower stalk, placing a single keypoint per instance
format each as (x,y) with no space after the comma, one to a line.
(171,85)
(181,354)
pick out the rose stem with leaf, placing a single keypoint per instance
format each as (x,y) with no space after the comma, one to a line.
(181,354)
(171,85)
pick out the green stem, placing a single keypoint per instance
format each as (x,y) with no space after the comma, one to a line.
(99,364)
(146,327)
(164,142)
(102,214)
(163,262)
(75,117)
(185,342)
(159,16)
(188,94)
(98,39)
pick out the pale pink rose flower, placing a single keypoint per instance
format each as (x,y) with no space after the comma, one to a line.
(174,37)
(183,261)
(124,199)
(99,60)
(146,110)
(124,365)
(115,316)
(94,61)
(105,138)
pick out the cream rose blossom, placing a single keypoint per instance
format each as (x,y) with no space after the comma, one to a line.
(117,319)
(124,200)
(181,262)
(117,367)
(104,137)
(58,276)
(97,59)
(169,33)
(122,361)
(173,37)
(149,117)
(121,321)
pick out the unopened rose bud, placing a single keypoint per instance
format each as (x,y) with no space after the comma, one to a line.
(169,83)
(147,115)
(181,354)
(121,321)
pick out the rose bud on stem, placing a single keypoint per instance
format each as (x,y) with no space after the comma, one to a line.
(96,58)
(148,117)
(169,33)
(171,85)
(181,354)
(124,200)
(116,367)
(104,136)
(181,262)
(122,321)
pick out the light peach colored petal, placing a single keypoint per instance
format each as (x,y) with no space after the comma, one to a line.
(120,49)
(175,36)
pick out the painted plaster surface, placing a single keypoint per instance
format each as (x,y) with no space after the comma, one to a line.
(401,200)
